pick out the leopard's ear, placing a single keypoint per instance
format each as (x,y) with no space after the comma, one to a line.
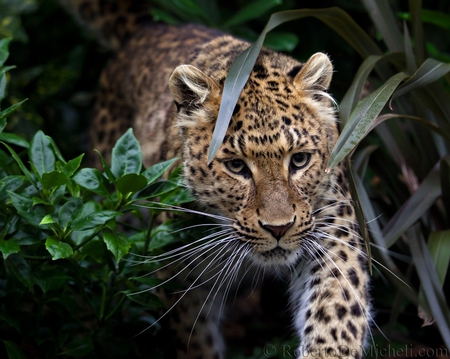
(190,87)
(315,74)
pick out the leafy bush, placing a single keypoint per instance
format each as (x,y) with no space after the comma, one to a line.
(65,288)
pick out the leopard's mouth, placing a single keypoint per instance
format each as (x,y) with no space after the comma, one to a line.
(276,256)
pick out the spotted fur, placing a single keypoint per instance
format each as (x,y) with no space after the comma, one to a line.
(281,210)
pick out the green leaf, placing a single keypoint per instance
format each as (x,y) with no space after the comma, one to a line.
(116,242)
(24,206)
(251,11)
(19,267)
(53,179)
(93,220)
(93,180)
(126,155)
(70,167)
(13,351)
(6,112)
(414,208)
(8,247)
(79,347)
(50,278)
(47,220)
(131,183)
(239,72)
(58,249)
(70,211)
(14,139)
(430,282)
(106,168)
(362,118)
(445,185)
(430,71)
(439,247)
(157,189)
(385,21)
(11,183)
(4,52)
(146,299)
(41,154)
(25,171)
(157,170)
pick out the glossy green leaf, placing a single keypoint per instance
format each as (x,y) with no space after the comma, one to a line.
(93,220)
(414,208)
(23,168)
(53,179)
(50,278)
(24,206)
(20,269)
(48,219)
(126,155)
(14,139)
(130,183)
(11,183)
(93,180)
(250,11)
(157,189)
(58,249)
(13,351)
(71,167)
(41,154)
(146,299)
(157,170)
(8,247)
(70,211)
(239,72)
(430,71)
(4,52)
(6,112)
(362,118)
(79,348)
(116,242)
(106,168)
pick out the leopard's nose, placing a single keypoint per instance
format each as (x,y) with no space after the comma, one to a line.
(277,231)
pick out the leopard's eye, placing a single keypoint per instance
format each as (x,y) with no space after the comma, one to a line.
(299,160)
(237,166)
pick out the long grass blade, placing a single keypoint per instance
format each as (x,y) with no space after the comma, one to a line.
(430,283)
(414,208)
(362,118)
(334,17)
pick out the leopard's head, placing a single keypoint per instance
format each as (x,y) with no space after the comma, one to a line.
(269,175)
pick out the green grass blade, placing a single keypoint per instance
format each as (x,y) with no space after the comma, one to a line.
(414,208)
(353,94)
(335,18)
(385,21)
(362,118)
(415,9)
(445,185)
(353,180)
(430,71)
(430,282)
(251,11)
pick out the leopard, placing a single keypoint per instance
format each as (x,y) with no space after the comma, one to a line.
(279,208)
